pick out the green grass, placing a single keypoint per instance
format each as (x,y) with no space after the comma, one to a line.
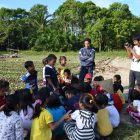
(12,68)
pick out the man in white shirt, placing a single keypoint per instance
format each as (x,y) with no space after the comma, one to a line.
(134,55)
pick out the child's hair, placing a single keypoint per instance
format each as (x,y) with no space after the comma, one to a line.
(88,39)
(101,99)
(44,61)
(62,58)
(51,57)
(118,78)
(99,78)
(25,99)
(4,84)
(11,103)
(85,87)
(67,71)
(53,101)
(28,64)
(74,80)
(43,94)
(72,90)
(87,101)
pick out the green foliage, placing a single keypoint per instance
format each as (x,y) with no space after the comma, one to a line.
(66,29)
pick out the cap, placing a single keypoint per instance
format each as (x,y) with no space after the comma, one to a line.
(88,76)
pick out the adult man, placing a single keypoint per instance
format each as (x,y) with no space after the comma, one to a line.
(87,56)
(134,54)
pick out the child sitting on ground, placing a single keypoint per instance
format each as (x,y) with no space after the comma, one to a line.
(62,61)
(57,110)
(4,88)
(43,124)
(82,128)
(113,113)
(72,102)
(26,110)
(11,127)
(134,109)
(104,125)
(51,73)
(44,61)
(30,78)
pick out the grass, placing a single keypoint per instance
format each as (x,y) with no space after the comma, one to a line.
(12,68)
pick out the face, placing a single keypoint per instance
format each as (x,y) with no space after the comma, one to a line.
(63,62)
(4,91)
(81,105)
(31,68)
(114,79)
(66,75)
(88,80)
(52,62)
(136,42)
(68,96)
(87,44)
(95,83)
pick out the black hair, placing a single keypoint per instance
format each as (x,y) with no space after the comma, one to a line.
(11,103)
(25,99)
(51,57)
(43,94)
(99,78)
(62,58)
(74,80)
(136,37)
(101,99)
(28,64)
(88,103)
(67,71)
(44,61)
(118,78)
(85,87)
(88,39)
(4,84)
(72,90)
(53,101)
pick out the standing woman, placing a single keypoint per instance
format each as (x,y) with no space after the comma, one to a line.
(87,56)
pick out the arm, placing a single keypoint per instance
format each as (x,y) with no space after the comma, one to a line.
(130,55)
(92,57)
(82,57)
(134,54)
(50,82)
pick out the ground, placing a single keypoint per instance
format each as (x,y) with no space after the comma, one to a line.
(108,64)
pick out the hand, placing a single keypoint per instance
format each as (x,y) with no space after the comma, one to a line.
(2,107)
(67,115)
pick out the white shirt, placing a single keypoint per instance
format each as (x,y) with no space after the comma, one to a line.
(113,115)
(136,103)
(11,127)
(44,78)
(135,65)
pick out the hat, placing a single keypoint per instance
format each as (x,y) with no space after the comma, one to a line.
(88,76)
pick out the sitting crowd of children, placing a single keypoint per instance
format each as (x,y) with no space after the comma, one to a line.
(63,105)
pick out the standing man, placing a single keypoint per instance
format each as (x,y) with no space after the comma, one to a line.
(134,55)
(87,56)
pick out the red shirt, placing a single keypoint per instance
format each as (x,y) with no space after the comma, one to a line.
(96,90)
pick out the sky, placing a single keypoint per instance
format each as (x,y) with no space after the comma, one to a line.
(134,5)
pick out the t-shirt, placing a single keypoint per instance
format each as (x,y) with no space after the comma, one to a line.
(11,127)
(57,114)
(40,129)
(104,125)
(136,103)
(113,115)
(51,73)
(61,71)
(135,65)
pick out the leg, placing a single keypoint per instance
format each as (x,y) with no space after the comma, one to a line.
(137,74)
(90,70)
(83,72)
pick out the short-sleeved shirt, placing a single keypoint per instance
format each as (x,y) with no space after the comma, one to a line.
(51,73)
(135,65)
(136,103)
(104,125)
(40,129)
(11,127)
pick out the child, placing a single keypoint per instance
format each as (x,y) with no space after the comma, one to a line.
(117,82)
(85,119)
(96,87)
(67,76)
(57,110)
(4,88)
(62,61)
(44,61)
(31,77)
(104,125)
(72,102)
(85,88)
(42,124)
(113,113)
(50,73)
(134,109)
(11,127)
(88,78)
(27,109)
